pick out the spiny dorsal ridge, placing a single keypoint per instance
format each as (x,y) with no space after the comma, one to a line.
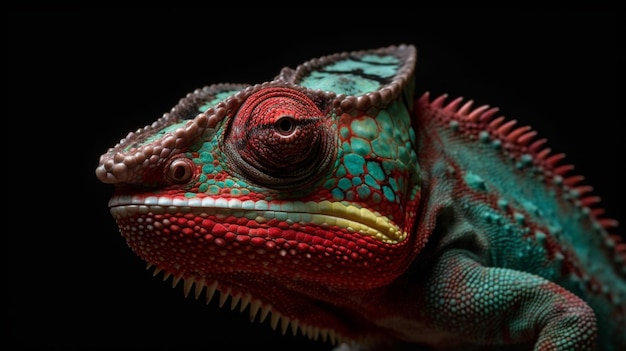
(520,141)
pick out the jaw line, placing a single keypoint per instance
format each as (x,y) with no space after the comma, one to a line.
(324,213)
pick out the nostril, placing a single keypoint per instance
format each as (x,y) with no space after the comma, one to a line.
(180,171)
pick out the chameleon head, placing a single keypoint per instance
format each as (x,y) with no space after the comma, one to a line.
(307,180)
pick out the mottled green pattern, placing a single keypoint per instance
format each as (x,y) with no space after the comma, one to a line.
(353,77)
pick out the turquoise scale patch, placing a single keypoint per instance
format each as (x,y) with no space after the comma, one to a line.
(475,181)
(385,123)
(206,157)
(354,164)
(369,180)
(526,159)
(373,169)
(360,146)
(344,132)
(389,194)
(363,191)
(344,184)
(330,183)
(400,183)
(337,194)
(341,172)
(381,147)
(346,146)
(390,166)
(350,195)
(393,184)
(213,189)
(403,153)
(411,137)
(365,128)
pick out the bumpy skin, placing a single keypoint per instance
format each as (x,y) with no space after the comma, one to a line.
(350,209)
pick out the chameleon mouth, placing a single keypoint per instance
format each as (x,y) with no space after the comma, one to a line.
(324,213)
(197,285)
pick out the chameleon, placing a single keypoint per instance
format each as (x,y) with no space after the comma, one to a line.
(344,205)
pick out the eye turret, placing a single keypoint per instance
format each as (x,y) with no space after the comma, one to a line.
(279,138)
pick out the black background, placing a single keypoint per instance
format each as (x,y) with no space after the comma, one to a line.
(78,80)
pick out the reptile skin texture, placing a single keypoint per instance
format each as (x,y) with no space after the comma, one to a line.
(341,204)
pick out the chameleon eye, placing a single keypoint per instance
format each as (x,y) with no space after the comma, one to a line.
(285,125)
(279,138)
(179,171)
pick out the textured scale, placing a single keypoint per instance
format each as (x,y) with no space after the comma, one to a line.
(341,205)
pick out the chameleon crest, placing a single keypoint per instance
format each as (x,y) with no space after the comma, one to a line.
(349,209)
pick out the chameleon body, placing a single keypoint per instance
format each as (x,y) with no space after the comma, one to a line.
(342,205)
